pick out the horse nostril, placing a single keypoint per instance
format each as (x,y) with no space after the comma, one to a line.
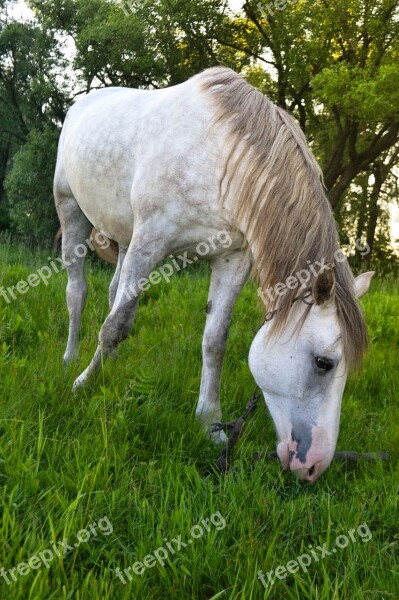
(312,470)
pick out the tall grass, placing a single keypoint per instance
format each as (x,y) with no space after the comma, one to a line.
(128,448)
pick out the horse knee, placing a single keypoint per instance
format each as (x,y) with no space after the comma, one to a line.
(116,329)
(213,346)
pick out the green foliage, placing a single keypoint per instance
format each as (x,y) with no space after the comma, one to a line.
(160,43)
(33,101)
(30,89)
(362,95)
(29,188)
(334,66)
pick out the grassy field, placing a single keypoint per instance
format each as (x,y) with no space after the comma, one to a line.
(127,455)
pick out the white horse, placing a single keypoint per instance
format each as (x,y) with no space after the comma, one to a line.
(162,171)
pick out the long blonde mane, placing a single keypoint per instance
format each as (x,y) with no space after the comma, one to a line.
(279,200)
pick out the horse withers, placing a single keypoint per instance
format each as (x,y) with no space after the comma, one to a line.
(160,171)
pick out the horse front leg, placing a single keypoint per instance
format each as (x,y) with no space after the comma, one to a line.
(228,277)
(143,254)
(113,288)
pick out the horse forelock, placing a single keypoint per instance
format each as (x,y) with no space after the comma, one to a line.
(273,186)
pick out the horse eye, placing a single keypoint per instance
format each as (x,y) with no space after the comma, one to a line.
(324,364)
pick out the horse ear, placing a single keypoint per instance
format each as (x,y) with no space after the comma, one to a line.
(324,286)
(362,283)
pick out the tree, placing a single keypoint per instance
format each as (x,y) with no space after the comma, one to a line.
(337,69)
(32,98)
(159,43)
(29,186)
(334,66)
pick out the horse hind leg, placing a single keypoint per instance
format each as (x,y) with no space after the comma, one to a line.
(76,230)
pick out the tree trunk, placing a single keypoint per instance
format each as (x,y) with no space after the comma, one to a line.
(374,209)
(361,223)
(3,169)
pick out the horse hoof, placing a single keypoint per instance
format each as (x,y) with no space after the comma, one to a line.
(78,384)
(67,362)
(219,438)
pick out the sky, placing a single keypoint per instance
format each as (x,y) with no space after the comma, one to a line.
(235,4)
(395,225)
(21,11)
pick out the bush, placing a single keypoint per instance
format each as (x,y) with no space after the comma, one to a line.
(29,186)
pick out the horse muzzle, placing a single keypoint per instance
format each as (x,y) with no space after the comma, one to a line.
(307,464)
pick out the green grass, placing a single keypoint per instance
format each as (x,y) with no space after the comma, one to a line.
(128,448)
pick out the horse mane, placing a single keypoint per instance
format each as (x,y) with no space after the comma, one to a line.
(279,202)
